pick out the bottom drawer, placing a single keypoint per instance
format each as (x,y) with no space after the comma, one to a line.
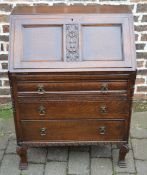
(73,130)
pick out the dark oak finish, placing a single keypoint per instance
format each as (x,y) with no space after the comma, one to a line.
(73,109)
(77,38)
(122,153)
(72,72)
(71,9)
(22,152)
(72,86)
(71,130)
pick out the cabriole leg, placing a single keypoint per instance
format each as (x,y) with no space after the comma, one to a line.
(124,149)
(22,152)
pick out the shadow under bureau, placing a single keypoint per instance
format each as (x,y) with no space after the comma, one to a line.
(72,72)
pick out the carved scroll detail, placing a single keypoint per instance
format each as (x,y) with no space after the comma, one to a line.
(72,42)
(74,143)
(12,94)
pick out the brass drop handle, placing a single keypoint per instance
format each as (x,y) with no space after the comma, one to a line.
(40,89)
(43,131)
(104,87)
(102,130)
(41,110)
(103,110)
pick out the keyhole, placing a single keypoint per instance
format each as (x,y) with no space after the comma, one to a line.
(71,19)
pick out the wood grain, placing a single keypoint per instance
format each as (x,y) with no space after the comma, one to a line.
(71,86)
(71,9)
(73,130)
(72,72)
(73,109)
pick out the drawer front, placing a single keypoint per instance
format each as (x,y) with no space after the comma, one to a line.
(46,87)
(73,109)
(71,130)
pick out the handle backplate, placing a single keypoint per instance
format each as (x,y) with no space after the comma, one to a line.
(40,89)
(41,110)
(104,87)
(102,130)
(43,131)
(103,109)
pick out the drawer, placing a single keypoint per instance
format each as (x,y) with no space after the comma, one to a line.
(73,76)
(71,130)
(46,87)
(73,109)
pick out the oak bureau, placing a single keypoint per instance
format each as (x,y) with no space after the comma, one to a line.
(72,72)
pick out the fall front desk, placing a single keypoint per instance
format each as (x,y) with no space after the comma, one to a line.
(72,71)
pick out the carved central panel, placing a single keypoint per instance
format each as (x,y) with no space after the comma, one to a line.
(72,42)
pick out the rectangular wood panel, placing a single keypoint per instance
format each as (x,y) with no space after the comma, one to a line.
(102,43)
(42,43)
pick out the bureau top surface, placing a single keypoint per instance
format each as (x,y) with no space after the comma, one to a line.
(71,38)
(94,9)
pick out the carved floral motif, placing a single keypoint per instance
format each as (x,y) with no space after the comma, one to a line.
(72,42)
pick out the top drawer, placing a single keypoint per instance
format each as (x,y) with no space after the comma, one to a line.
(42,87)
